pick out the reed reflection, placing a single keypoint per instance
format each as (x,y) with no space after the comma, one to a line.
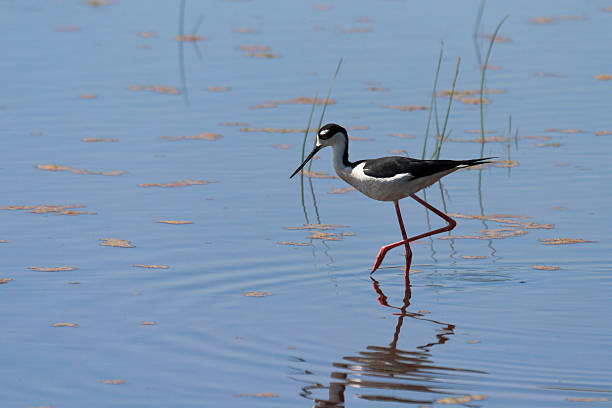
(389,373)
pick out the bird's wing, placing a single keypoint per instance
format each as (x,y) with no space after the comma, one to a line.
(394,165)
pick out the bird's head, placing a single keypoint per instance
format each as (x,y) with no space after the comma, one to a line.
(329,135)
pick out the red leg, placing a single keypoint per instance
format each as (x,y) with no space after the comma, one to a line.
(406,241)
(384,250)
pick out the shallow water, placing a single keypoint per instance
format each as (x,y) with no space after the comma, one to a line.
(241,320)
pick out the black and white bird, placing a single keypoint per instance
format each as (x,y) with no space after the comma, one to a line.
(388,179)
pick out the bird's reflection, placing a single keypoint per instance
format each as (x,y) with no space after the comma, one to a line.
(389,373)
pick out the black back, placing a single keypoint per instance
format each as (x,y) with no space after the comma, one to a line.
(393,165)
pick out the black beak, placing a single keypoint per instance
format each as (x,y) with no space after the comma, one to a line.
(314,151)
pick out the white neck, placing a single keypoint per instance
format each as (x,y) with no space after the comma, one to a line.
(338,155)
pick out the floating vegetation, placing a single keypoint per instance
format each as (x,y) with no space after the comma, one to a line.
(116,242)
(322,6)
(398,151)
(99,140)
(98,3)
(151,266)
(512,226)
(318,231)
(281,146)
(556,130)
(373,86)
(256,51)
(363,19)
(603,77)
(163,89)
(556,144)
(190,38)
(461,400)
(505,164)
(401,135)
(52,268)
(499,233)
(148,323)
(293,243)
(88,96)
(563,241)
(55,167)
(5,280)
(65,325)
(603,133)
(49,208)
(257,294)
(112,382)
(3,241)
(317,174)
(363,139)
(326,236)
(545,268)
(147,34)
(174,222)
(317,227)
(201,136)
(497,39)
(466,97)
(301,100)
(404,108)
(554,19)
(182,183)
(473,256)
(218,88)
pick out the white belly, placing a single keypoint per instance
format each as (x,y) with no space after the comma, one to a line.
(387,189)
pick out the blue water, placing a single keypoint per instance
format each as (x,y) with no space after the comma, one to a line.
(493,326)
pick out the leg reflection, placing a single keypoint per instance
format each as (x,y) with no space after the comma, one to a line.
(389,373)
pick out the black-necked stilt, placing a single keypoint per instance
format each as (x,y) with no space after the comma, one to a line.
(388,179)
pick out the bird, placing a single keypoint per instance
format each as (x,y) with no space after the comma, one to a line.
(388,179)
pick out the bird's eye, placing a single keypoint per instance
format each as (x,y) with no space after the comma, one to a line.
(324,134)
